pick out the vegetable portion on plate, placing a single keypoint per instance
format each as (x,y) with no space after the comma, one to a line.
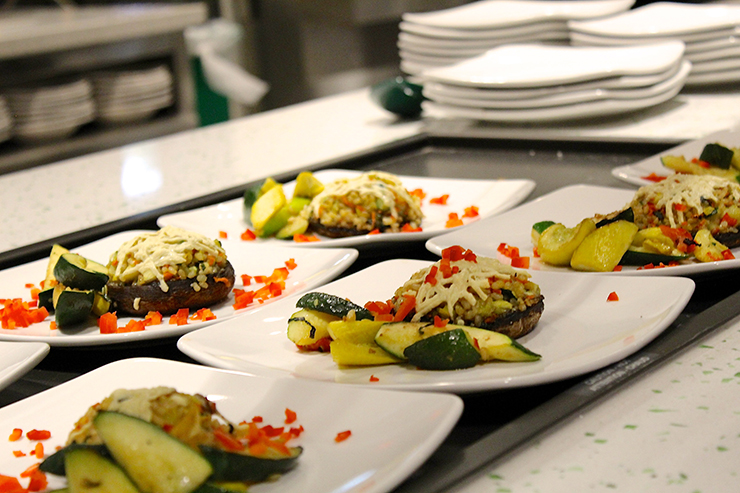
(455,313)
(373,202)
(683,218)
(715,159)
(159,440)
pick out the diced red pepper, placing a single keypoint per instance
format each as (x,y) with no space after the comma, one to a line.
(153,318)
(108,323)
(38,434)
(727,254)
(440,322)
(376,231)
(9,484)
(731,221)
(248,235)
(654,178)
(373,378)
(453,221)
(406,228)
(290,264)
(431,278)
(299,238)
(612,296)
(180,318)
(408,304)
(290,416)
(342,436)
(15,435)
(223,235)
(442,200)
(521,262)
(471,211)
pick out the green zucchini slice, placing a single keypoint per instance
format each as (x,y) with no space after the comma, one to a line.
(155,461)
(333,305)
(75,271)
(46,299)
(54,463)
(395,337)
(89,472)
(56,252)
(305,327)
(717,155)
(626,215)
(230,466)
(72,307)
(449,350)
(638,256)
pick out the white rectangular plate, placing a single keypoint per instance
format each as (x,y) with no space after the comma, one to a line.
(17,358)
(635,173)
(314,267)
(569,205)
(490,196)
(579,332)
(392,432)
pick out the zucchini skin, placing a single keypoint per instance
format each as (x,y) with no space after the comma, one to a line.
(75,271)
(54,464)
(332,305)
(180,294)
(230,466)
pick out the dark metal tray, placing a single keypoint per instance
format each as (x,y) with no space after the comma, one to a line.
(488,429)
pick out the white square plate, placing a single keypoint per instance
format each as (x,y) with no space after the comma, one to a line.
(579,332)
(314,267)
(490,196)
(635,173)
(662,19)
(392,432)
(17,358)
(490,14)
(533,65)
(569,205)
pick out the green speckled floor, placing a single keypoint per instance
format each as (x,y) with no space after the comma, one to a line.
(675,430)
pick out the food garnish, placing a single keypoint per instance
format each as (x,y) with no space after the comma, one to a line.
(684,218)
(371,203)
(457,312)
(159,440)
(715,159)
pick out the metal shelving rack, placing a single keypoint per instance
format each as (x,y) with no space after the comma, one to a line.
(40,44)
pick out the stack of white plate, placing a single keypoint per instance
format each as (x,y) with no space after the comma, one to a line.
(126,96)
(50,112)
(711,34)
(6,121)
(445,37)
(541,83)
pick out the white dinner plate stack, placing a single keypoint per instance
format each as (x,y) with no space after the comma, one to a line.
(126,96)
(543,83)
(445,37)
(6,121)
(51,111)
(711,33)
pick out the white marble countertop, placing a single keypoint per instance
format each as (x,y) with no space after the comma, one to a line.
(675,429)
(49,201)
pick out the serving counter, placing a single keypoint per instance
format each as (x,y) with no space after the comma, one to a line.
(563,436)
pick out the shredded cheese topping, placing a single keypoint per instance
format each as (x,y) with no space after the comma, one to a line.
(383,186)
(472,283)
(145,256)
(693,191)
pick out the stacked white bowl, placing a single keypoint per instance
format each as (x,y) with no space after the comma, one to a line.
(711,33)
(130,95)
(445,37)
(52,111)
(6,121)
(544,83)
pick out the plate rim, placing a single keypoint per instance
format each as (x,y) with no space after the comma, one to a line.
(499,383)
